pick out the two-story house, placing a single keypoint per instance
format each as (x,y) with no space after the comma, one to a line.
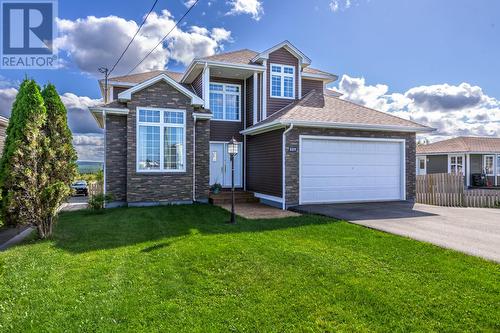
(166,134)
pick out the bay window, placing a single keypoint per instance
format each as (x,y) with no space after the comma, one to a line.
(282,81)
(161,140)
(225,101)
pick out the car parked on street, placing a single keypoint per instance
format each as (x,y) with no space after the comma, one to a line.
(80,188)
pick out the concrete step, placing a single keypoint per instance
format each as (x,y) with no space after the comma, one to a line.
(239,197)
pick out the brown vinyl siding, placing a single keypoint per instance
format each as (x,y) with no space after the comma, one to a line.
(281,57)
(118,90)
(249,101)
(198,85)
(264,163)
(225,130)
(308,85)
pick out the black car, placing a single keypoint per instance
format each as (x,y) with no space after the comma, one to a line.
(80,187)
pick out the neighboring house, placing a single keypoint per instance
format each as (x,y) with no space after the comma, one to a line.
(4,122)
(167,133)
(471,156)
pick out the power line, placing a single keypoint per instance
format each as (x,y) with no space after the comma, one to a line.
(165,37)
(136,33)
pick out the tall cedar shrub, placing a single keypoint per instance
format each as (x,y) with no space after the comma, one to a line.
(60,156)
(22,163)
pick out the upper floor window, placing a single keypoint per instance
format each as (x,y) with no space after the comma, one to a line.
(282,81)
(225,101)
(161,140)
(489,164)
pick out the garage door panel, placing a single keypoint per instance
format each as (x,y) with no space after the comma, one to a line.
(335,170)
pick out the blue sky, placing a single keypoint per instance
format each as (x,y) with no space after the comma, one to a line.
(426,60)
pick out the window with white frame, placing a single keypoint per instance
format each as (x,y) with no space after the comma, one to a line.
(282,81)
(456,164)
(225,101)
(161,140)
(489,164)
(498,165)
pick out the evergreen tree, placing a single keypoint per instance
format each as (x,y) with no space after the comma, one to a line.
(22,160)
(59,169)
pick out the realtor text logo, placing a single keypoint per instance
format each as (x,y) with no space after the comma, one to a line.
(28,32)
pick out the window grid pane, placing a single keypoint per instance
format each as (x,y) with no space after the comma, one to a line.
(288,70)
(172,117)
(174,148)
(149,147)
(275,85)
(276,69)
(217,105)
(216,87)
(488,165)
(232,106)
(149,116)
(288,86)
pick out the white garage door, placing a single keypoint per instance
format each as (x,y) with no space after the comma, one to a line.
(347,170)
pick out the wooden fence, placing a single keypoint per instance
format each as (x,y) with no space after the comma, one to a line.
(445,189)
(95,188)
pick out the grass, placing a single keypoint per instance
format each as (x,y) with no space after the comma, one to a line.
(183,269)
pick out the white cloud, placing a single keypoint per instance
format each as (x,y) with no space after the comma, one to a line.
(189,3)
(250,7)
(93,42)
(341,5)
(452,109)
(89,146)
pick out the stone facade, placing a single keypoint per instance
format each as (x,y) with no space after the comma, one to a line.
(292,158)
(116,157)
(123,180)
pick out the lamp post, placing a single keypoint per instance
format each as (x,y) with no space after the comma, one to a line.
(232,150)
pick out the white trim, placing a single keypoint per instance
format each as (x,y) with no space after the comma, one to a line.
(224,93)
(110,95)
(127,94)
(162,125)
(283,167)
(493,166)
(299,75)
(205,81)
(346,138)
(282,123)
(116,111)
(199,115)
(456,155)
(287,45)
(282,76)
(244,163)
(255,98)
(223,64)
(268,197)
(462,152)
(264,91)
(120,83)
(467,170)
(323,77)
(497,174)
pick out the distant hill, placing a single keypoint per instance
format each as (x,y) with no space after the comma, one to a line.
(89,166)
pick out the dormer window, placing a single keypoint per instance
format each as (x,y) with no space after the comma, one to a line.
(282,81)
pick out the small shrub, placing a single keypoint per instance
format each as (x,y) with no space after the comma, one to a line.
(216,188)
(96,202)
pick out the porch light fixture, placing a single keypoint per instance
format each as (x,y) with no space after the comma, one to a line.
(232,150)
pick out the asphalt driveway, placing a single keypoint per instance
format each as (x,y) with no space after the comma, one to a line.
(474,231)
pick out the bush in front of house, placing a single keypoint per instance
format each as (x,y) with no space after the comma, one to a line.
(96,202)
(39,161)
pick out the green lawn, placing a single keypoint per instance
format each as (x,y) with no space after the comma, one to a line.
(182,269)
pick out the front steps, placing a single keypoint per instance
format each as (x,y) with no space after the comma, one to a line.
(224,197)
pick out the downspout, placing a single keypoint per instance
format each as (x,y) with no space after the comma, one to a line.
(194,158)
(283,201)
(104,164)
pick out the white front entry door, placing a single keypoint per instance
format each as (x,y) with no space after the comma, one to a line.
(350,170)
(220,165)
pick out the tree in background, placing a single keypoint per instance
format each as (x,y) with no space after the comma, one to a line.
(60,156)
(21,166)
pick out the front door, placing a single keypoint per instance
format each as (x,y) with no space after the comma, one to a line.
(220,165)
(421,165)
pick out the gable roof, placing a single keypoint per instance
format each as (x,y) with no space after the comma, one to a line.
(318,109)
(127,94)
(243,56)
(287,45)
(141,77)
(462,144)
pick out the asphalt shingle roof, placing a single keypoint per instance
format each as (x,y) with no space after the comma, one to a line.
(462,144)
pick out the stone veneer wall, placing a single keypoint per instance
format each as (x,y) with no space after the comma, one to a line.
(116,157)
(202,160)
(292,158)
(165,187)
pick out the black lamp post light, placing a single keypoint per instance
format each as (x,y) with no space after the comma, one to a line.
(232,150)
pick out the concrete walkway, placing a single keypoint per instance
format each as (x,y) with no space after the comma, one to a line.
(475,231)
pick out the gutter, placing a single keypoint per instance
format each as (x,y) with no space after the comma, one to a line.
(283,202)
